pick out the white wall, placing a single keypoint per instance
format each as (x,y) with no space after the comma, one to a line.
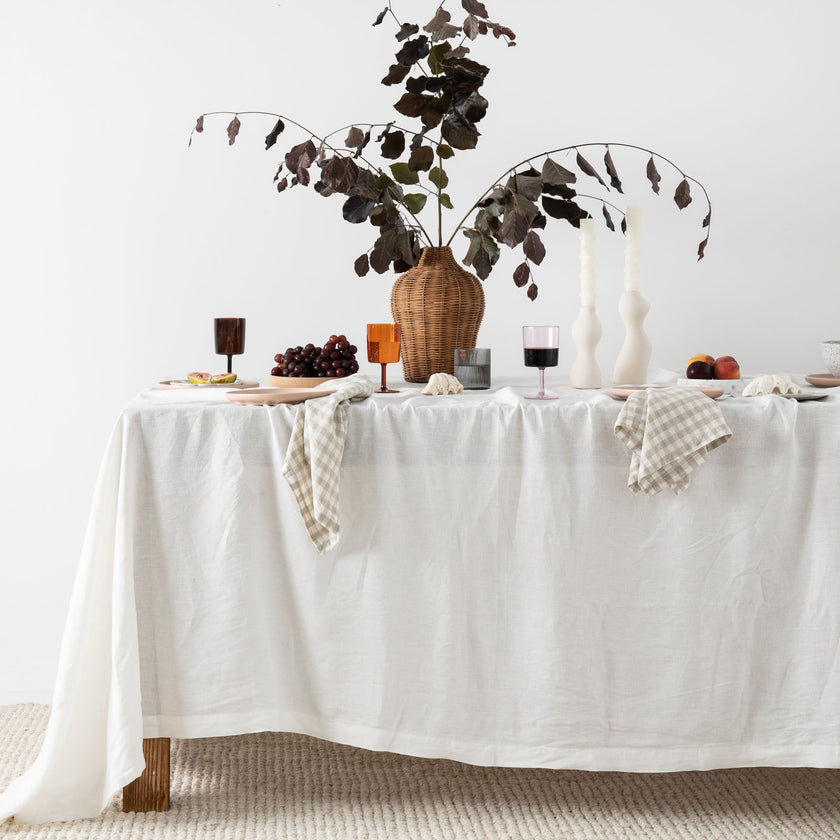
(119,245)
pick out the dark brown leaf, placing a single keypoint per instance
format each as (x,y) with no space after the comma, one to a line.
(396,73)
(555,175)
(682,195)
(299,157)
(624,224)
(653,175)
(365,141)
(439,26)
(279,170)
(474,7)
(356,209)
(380,17)
(233,130)
(560,209)
(459,133)
(362,265)
(412,104)
(421,159)
(393,145)
(282,184)
(533,247)
(528,185)
(708,220)
(199,124)
(406,31)
(471,27)
(482,265)
(611,171)
(355,138)
(384,133)
(585,166)
(365,186)
(339,174)
(701,250)
(533,291)
(521,274)
(538,222)
(271,137)
(608,218)
(412,51)
(472,107)
(513,230)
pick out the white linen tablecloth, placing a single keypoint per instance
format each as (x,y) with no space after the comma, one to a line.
(498,595)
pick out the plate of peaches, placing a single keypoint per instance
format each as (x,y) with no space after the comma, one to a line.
(706,371)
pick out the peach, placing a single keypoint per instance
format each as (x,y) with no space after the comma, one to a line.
(702,357)
(727,368)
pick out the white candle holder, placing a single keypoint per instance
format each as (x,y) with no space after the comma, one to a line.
(586,333)
(631,366)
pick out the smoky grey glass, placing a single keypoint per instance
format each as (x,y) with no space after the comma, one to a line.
(472,367)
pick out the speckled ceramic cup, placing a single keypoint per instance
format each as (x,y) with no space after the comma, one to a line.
(831,356)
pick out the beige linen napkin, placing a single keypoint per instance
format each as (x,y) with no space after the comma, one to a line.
(669,431)
(313,458)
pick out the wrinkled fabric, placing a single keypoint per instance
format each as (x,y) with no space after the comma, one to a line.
(669,432)
(313,458)
(497,595)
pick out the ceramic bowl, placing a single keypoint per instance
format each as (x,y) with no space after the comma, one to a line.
(831,356)
(728,386)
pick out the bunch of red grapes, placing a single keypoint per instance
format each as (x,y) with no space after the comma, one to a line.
(336,358)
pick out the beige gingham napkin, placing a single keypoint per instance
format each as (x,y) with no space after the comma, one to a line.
(313,458)
(669,431)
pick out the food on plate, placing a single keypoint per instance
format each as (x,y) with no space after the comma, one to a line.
(702,357)
(199,378)
(727,368)
(775,383)
(222,378)
(700,370)
(337,357)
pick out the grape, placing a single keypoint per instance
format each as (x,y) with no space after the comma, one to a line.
(336,357)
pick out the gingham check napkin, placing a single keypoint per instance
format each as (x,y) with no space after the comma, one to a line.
(670,431)
(313,458)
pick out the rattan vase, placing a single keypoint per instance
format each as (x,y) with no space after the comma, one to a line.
(439,306)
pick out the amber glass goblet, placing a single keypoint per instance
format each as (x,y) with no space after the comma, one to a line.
(383,347)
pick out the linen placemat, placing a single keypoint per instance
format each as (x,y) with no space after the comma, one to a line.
(669,432)
(312,466)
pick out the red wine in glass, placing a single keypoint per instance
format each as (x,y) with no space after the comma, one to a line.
(541,347)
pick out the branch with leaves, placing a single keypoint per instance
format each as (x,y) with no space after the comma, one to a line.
(441,87)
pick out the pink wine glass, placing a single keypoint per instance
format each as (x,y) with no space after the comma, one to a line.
(541,345)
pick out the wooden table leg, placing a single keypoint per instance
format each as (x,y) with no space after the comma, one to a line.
(150,791)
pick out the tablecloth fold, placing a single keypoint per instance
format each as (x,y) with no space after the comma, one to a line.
(669,432)
(313,458)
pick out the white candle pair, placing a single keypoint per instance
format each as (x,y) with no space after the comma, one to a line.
(587,255)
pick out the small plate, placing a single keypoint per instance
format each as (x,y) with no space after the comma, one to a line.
(822,380)
(275,396)
(805,395)
(623,393)
(185,383)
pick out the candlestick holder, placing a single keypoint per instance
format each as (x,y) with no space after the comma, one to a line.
(631,366)
(586,333)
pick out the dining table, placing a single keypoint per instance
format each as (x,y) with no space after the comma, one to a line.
(497,595)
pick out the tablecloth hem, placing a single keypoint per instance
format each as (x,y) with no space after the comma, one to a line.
(645,759)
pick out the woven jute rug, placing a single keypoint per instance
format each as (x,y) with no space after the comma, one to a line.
(292,787)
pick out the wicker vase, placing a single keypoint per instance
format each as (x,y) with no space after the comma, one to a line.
(439,306)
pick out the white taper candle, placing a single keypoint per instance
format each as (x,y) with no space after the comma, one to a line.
(631,248)
(587,262)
